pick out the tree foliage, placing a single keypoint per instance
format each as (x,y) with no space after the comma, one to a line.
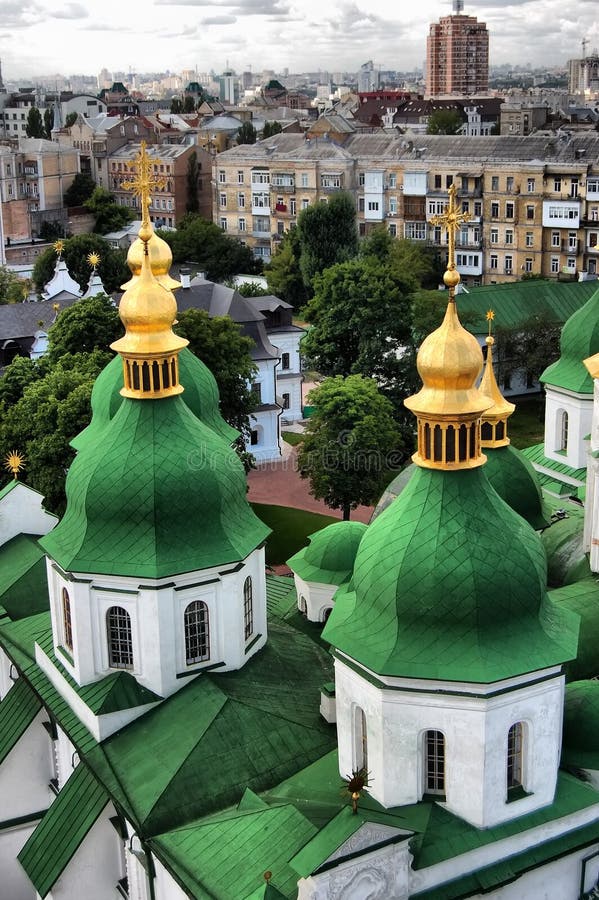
(251,289)
(271,128)
(528,349)
(12,288)
(70,119)
(246,134)
(327,234)
(110,216)
(283,273)
(444,121)
(80,190)
(202,242)
(34,126)
(351,443)
(90,324)
(48,122)
(218,342)
(192,204)
(112,269)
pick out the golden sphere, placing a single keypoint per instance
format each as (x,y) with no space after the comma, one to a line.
(451,278)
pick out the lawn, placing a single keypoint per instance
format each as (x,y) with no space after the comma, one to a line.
(527,425)
(292,437)
(290,529)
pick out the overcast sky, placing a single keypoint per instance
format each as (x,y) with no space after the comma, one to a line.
(40,38)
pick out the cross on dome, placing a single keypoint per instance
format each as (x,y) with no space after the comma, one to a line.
(452,219)
(143,182)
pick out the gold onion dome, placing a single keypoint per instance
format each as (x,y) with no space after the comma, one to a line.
(161,259)
(494,419)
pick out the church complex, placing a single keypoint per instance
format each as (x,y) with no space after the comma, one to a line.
(175,723)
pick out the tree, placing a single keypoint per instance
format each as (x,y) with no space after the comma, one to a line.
(271,128)
(528,349)
(283,273)
(351,443)
(51,410)
(34,127)
(80,190)
(409,259)
(444,121)
(251,289)
(70,119)
(327,234)
(12,288)
(188,104)
(48,122)
(246,134)
(91,324)
(113,269)
(176,105)
(192,204)
(110,216)
(199,241)
(218,342)
(428,311)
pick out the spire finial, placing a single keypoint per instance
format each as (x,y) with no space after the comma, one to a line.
(14,463)
(143,182)
(494,419)
(58,247)
(452,219)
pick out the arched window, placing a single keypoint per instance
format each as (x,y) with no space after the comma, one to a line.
(303,606)
(563,435)
(120,641)
(434,762)
(360,739)
(248,608)
(66,619)
(197,633)
(514,756)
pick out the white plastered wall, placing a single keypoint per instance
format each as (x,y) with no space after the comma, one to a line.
(579,409)
(318,597)
(475,728)
(21,512)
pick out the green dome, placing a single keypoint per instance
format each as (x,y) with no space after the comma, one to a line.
(582,598)
(200,395)
(393,490)
(329,557)
(449,583)
(580,743)
(579,340)
(567,561)
(515,480)
(160,494)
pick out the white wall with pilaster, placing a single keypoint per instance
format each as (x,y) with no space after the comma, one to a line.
(265,426)
(156,611)
(579,410)
(318,598)
(475,721)
(97,866)
(26,772)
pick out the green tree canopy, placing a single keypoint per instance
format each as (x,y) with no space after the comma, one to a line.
(409,259)
(444,121)
(12,288)
(176,105)
(327,234)
(271,128)
(251,289)
(351,443)
(80,190)
(283,273)
(202,242)
(70,119)
(113,269)
(110,216)
(48,122)
(90,324)
(34,126)
(192,204)
(188,104)
(246,134)
(218,342)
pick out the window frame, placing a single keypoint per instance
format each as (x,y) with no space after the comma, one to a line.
(196,615)
(119,638)
(248,608)
(434,759)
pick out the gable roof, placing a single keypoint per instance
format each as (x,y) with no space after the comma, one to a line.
(18,709)
(19,320)
(23,581)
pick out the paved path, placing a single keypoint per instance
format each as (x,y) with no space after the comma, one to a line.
(280,484)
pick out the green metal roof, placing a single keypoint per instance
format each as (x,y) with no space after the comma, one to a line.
(515,480)
(201,748)
(449,583)
(581,725)
(330,554)
(17,711)
(133,498)
(54,842)
(536,454)
(226,856)
(522,302)
(200,395)
(23,580)
(579,340)
(582,598)
(567,561)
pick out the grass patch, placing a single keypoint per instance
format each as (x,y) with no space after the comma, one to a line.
(527,425)
(292,437)
(290,529)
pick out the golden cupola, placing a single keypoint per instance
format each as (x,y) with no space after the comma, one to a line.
(148,311)
(449,406)
(493,430)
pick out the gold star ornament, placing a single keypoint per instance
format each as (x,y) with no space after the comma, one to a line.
(14,463)
(58,247)
(93,259)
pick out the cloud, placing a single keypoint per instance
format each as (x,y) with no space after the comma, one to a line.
(69,11)
(20,15)
(218,20)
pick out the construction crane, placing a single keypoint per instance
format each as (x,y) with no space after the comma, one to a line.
(585,44)
(458,7)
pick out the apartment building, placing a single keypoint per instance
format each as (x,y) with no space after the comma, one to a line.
(457,55)
(533,202)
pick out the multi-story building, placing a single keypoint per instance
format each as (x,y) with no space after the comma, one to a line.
(457,55)
(533,202)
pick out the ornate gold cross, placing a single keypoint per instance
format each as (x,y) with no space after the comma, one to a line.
(452,218)
(144,181)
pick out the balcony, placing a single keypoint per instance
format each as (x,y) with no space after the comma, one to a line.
(284,184)
(30,171)
(280,208)
(261,235)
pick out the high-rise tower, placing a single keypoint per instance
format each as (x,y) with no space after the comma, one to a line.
(457,55)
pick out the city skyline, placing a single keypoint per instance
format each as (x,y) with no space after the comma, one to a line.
(82,38)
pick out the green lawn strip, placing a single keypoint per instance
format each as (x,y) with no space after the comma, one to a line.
(526,426)
(292,437)
(290,529)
